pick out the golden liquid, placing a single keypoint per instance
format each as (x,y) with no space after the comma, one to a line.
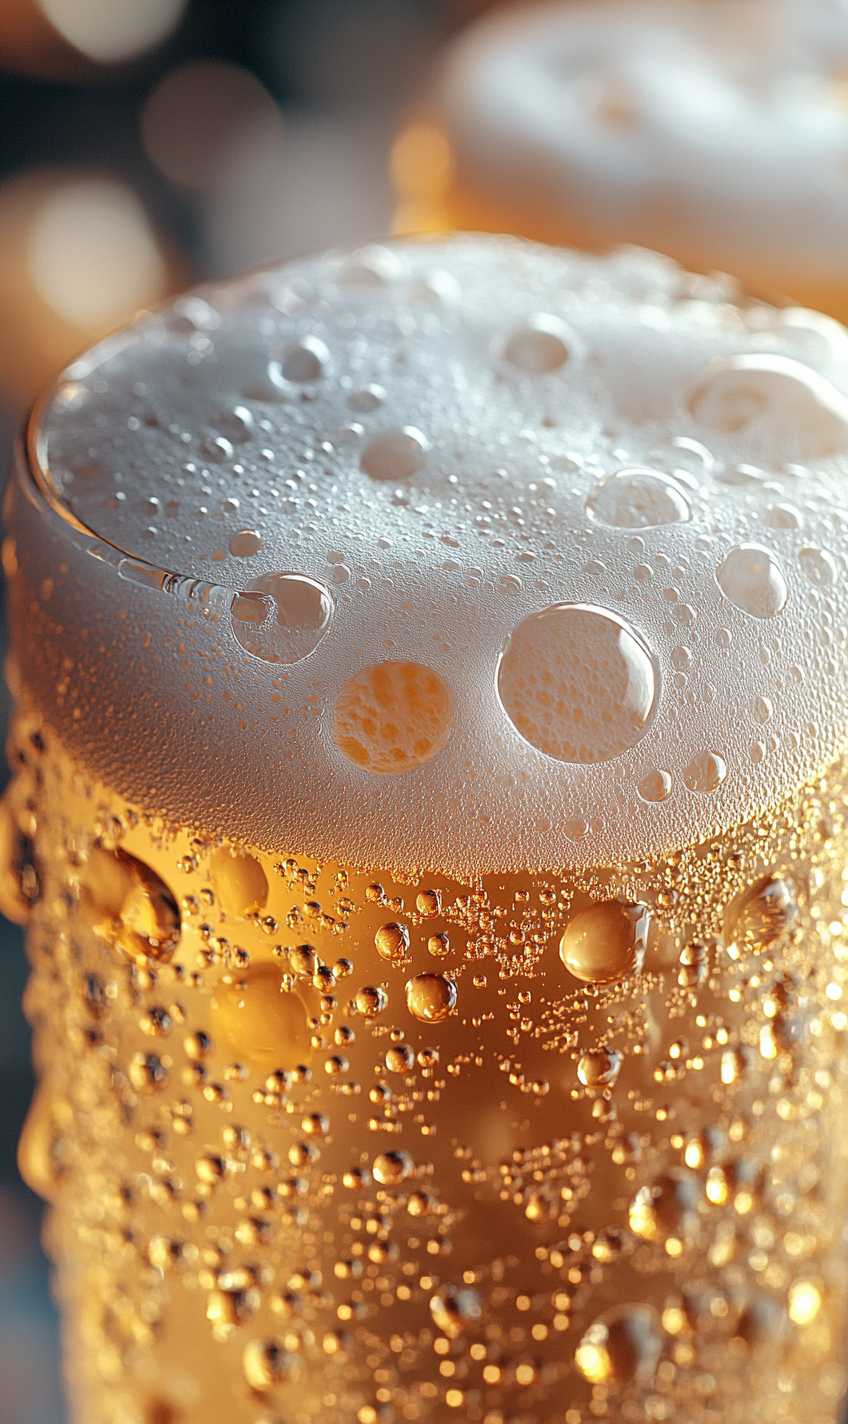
(286,1186)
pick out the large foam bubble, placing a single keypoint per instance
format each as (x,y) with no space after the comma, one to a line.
(339,559)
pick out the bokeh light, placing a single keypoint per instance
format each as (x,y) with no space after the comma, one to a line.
(199,114)
(78,256)
(110,31)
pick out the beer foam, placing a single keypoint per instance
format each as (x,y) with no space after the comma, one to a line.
(466,554)
(717,133)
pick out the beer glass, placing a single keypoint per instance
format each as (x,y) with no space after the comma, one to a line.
(712,132)
(429,815)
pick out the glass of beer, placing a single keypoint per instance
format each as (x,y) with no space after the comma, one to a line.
(429,815)
(713,132)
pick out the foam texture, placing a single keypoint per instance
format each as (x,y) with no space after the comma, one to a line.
(571,612)
(716,132)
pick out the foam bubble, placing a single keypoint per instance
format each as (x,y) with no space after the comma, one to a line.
(578,683)
(392,717)
(638,499)
(751,578)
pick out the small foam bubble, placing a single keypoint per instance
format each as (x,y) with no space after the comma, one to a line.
(751,578)
(395,454)
(638,499)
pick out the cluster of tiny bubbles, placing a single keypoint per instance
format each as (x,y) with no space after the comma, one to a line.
(466,501)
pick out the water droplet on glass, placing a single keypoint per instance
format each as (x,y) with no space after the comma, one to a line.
(400,1059)
(392,941)
(395,454)
(624,1345)
(430,997)
(606,942)
(788,400)
(371,1001)
(239,881)
(266,1364)
(541,345)
(599,1067)
(705,772)
(304,613)
(245,543)
(132,908)
(819,566)
(578,683)
(751,578)
(656,785)
(454,1310)
(255,1020)
(764,913)
(638,499)
(364,399)
(392,717)
(391,1168)
(301,364)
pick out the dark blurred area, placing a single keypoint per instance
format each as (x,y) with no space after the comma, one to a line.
(146,144)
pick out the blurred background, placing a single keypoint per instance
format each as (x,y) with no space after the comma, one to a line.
(145,144)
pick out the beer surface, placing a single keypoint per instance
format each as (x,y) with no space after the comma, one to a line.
(714,132)
(469,555)
(326,1146)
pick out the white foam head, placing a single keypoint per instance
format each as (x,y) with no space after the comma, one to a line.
(467,554)
(718,133)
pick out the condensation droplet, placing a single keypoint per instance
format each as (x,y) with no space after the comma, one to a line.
(265,1364)
(304,613)
(796,405)
(430,997)
(239,881)
(764,913)
(371,1001)
(132,907)
(656,785)
(751,578)
(781,516)
(455,1310)
(392,941)
(255,1020)
(638,499)
(599,1067)
(301,364)
(245,543)
(623,1345)
(541,345)
(392,717)
(579,684)
(606,942)
(819,566)
(705,772)
(400,1059)
(395,454)
(216,450)
(391,1168)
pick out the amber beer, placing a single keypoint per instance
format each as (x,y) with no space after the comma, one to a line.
(429,815)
